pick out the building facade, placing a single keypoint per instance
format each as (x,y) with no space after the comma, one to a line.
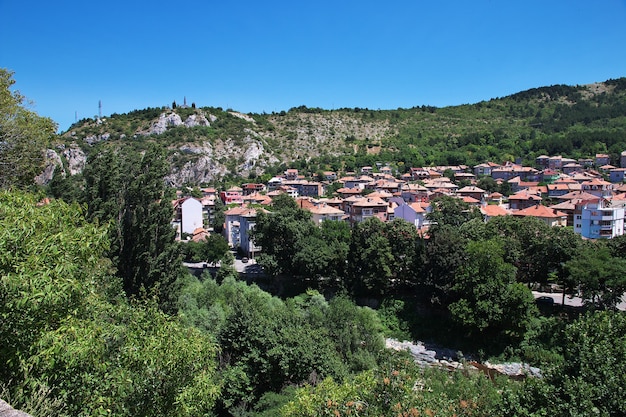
(596,219)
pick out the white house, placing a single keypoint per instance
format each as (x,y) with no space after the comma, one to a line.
(188,215)
(414,213)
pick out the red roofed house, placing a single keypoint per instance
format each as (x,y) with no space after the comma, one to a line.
(291,174)
(472,191)
(251,188)
(549,216)
(522,200)
(598,187)
(323,212)
(232,196)
(492,210)
(365,208)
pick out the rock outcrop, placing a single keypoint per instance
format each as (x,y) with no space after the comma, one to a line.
(164,121)
(7,411)
(197,120)
(52,162)
(76,159)
(435,356)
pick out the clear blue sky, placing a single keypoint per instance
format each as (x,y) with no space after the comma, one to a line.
(255,56)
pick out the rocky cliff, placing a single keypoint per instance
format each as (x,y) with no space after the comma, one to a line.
(207,144)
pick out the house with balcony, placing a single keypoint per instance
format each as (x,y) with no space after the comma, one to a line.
(306,188)
(247,222)
(359,182)
(252,188)
(419,173)
(597,219)
(367,207)
(485,169)
(233,195)
(598,187)
(291,174)
(239,223)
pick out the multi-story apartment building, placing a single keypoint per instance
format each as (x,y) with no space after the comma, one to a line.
(596,219)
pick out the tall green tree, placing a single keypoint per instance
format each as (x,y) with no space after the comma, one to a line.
(129,359)
(444,254)
(590,379)
(490,301)
(600,276)
(451,211)
(24,136)
(370,259)
(219,218)
(282,234)
(127,189)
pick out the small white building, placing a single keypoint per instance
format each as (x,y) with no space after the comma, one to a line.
(187,215)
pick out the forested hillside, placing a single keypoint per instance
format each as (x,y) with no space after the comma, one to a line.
(207,144)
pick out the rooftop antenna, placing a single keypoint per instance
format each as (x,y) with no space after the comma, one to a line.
(99,109)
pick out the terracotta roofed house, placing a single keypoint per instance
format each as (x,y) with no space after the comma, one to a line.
(549,216)
(522,200)
(492,210)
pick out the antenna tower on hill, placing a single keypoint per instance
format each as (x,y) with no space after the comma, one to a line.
(99,109)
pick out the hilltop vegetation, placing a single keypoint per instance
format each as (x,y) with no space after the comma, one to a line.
(575,121)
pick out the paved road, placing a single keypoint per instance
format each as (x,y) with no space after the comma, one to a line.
(571,301)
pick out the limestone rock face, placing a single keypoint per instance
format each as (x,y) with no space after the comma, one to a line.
(53,160)
(76,159)
(197,120)
(196,164)
(164,121)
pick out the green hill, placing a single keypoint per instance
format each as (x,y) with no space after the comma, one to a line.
(208,144)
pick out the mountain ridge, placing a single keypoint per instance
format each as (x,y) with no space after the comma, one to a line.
(209,144)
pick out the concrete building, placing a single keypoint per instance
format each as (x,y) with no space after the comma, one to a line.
(596,219)
(188,214)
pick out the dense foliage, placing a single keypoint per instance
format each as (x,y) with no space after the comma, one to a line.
(71,345)
(24,136)
(126,188)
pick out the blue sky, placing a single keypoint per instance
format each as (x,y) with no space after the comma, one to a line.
(269,56)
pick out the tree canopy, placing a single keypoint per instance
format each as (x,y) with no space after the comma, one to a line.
(24,137)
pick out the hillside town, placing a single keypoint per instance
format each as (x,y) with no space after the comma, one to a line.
(586,194)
